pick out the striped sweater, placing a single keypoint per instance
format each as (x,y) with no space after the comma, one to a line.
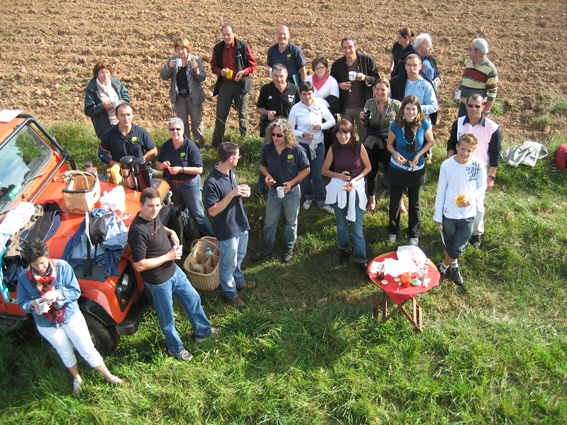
(481,79)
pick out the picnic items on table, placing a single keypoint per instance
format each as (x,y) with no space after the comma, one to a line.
(402,276)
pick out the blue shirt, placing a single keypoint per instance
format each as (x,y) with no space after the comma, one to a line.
(427,68)
(401,146)
(231,221)
(65,282)
(286,166)
(425,92)
(136,143)
(187,155)
(292,58)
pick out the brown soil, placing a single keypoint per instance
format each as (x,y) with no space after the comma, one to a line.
(49,48)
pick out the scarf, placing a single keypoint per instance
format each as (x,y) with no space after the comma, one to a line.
(318,83)
(48,283)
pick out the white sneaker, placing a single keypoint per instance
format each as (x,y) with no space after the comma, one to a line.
(414,241)
(329,209)
(393,238)
(307,204)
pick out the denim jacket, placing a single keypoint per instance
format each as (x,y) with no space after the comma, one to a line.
(65,282)
(109,251)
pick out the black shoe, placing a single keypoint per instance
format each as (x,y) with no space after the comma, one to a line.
(287,256)
(446,273)
(456,276)
(475,241)
(345,257)
(258,255)
(363,267)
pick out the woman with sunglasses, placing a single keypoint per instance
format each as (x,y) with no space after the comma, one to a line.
(409,137)
(284,165)
(182,166)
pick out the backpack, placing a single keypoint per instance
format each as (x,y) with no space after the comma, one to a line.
(560,157)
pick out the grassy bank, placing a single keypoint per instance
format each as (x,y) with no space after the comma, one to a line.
(309,350)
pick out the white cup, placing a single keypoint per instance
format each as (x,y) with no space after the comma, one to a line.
(457,94)
(352,75)
(43,306)
(247,192)
(270,72)
(178,62)
(281,192)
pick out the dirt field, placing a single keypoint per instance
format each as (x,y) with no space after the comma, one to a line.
(49,48)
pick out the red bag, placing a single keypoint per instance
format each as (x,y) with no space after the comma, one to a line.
(560,157)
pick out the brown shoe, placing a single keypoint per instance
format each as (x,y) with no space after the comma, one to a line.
(236,303)
(247,285)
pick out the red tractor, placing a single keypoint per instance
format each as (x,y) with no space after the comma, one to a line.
(31,167)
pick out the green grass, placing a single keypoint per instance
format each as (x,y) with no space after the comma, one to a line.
(309,350)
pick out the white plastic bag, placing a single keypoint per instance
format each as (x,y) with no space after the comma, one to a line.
(396,268)
(412,253)
(115,200)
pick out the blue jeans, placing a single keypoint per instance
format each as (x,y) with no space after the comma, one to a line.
(290,205)
(315,175)
(179,286)
(359,244)
(456,234)
(189,194)
(232,253)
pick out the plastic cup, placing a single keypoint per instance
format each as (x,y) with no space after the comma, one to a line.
(281,192)
(457,201)
(178,62)
(458,94)
(229,73)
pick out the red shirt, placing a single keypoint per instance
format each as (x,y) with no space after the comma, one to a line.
(229,61)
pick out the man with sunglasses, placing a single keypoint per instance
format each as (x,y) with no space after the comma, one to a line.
(488,150)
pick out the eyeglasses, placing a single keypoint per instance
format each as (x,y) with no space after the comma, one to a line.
(320,67)
(175,129)
(237,156)
(278,135)
(474,106)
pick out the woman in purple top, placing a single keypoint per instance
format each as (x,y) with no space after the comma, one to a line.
(346,191)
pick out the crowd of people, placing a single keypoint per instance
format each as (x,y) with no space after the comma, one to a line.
(343,123)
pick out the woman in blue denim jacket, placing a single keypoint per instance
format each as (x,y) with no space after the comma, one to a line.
(48,289)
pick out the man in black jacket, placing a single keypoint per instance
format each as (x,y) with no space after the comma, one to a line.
(233,62)
(356,74)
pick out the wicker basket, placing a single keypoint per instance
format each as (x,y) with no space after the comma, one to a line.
(208,278)
(82,192)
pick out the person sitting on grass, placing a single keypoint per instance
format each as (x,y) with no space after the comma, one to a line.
(462,182)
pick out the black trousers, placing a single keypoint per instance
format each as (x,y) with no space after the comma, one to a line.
(377,156)
(414,210)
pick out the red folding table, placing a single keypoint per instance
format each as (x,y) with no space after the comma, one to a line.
(400,295)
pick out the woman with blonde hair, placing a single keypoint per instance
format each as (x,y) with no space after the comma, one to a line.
(284,164)
(186,72)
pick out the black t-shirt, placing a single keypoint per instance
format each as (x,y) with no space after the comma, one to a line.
(273,100)
(181,78)
(148,239)
(187,155)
